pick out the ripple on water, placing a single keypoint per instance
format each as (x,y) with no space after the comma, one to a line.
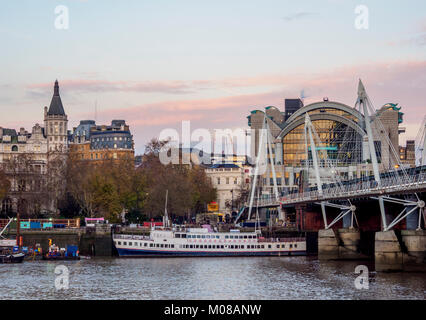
(204,278)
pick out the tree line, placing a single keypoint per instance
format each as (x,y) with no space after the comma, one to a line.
(115,189)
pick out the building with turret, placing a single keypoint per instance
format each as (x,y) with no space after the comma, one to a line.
(27,157)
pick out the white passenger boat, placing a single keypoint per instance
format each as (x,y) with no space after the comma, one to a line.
(204,242)
(179,241)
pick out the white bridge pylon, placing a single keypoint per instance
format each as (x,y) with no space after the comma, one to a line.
(400,177)
(311,135)
(365,106)
(261,165)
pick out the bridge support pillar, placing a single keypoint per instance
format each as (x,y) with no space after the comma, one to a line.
(342,244)
(387,251)
(349,244)
(328,245)
(414,257)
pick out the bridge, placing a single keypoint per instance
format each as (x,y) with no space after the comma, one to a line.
(324,186)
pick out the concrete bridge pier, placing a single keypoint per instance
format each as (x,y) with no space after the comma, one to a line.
(341,244)
(387,251)
(403,250)
(414,250)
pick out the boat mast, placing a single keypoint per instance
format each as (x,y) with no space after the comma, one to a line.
(18,228)
(166,221)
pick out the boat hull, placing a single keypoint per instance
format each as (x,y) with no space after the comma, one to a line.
(12,258)
(60,258)
(160,253)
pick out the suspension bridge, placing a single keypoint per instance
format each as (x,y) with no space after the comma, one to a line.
(389,180)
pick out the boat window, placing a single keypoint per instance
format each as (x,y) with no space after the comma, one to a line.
(125,243)
(177,235)
(291,246)
(245,237)
(269,246)
(192,246)
(222,247)
(203,237)
(151,245)
(157,245)
(231,237)
(172,246)
(226,237)
(119,242)
(263,246)
(198,236)
(240,237)
(295,245)
(183,235)
(145,244)
(217,237)
(210,247)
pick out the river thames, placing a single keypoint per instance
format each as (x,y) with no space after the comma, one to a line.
(271,278)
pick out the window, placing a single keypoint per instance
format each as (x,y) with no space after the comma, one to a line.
(227,180)
(119,243)
(269,246)
(278,246)
(151,245)
(125,243)
(218,180)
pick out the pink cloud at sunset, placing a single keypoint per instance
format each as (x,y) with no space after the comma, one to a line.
(400,82)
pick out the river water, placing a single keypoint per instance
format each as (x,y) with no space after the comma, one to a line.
(271,278)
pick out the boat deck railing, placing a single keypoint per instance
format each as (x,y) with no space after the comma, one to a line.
(293,239)
(132,237)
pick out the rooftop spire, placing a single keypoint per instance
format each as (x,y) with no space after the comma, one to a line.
(56,107)
(56,90)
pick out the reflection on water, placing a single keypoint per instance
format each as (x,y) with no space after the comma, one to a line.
(205,278)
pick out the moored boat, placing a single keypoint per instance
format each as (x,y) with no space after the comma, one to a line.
(12,258)
(183,242)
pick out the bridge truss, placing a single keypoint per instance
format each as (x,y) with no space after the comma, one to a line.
(322,183)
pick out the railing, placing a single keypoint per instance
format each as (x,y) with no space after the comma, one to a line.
(68,223)
(393,183)
(297,239)
(131,237)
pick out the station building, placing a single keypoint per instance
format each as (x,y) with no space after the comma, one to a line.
(341,131)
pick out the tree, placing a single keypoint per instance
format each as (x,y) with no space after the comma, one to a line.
(189,189)
(4,185)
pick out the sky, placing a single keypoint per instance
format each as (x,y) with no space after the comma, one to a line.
(158,63)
